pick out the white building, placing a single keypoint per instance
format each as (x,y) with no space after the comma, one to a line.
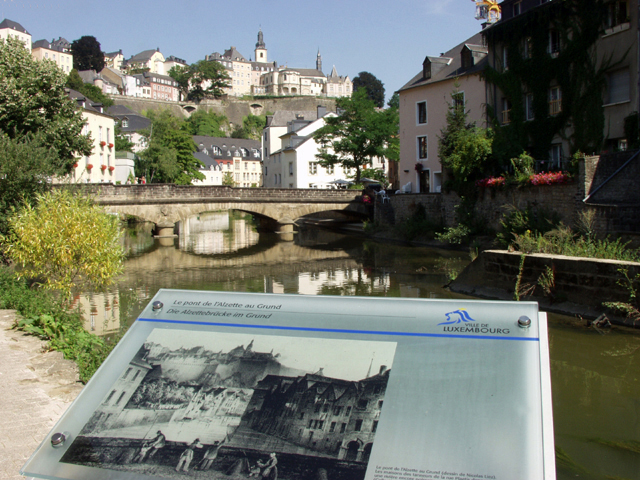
(9,28)
(55,52)
(223,156)
(100,165)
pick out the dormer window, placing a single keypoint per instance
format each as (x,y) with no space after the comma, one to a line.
(466,58)
(426,69)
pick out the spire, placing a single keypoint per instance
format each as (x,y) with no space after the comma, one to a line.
(318,61)
(260,43)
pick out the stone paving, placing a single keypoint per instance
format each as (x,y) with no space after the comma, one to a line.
(38,387)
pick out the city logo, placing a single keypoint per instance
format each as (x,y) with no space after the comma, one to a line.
(457,316)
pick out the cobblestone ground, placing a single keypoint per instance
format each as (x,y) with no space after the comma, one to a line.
(37,388)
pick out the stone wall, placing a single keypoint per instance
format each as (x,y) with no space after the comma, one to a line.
(616,205)
(233,108)
(581,285)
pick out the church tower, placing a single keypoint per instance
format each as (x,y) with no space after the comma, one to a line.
(261,49)
(319,61)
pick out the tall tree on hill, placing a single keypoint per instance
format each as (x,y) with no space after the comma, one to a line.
(87,54)
(203,79)
(373,87)
(358,134)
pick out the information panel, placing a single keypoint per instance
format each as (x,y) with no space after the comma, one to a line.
(236,385)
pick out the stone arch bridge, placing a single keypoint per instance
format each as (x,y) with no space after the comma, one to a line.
(277,208)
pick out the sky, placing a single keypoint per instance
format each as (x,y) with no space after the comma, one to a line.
(345,359)
(387,39)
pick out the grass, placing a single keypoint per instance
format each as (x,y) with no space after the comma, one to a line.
(43,316)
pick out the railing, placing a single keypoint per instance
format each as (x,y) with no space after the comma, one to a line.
(506,117)
(555,107)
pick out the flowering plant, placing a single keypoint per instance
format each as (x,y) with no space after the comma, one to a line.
(102,144)
(491,182)
(89,166)
(549,178)
(112,168)
(111,145)
(103,167)
(75,165)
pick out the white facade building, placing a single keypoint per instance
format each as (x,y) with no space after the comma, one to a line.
(9,28)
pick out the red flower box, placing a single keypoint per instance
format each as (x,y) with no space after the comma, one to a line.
(103,167)
(102,144)
(111,145)
(75,165)
(89,167)
(111,169)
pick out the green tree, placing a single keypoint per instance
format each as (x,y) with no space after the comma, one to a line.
(122,142)
(210,124)
(87,54)
(92,92)
(65,241)
(168,158)
(252,127)
(394,101)
(373,87)
(26,165)
(227,179)
(463,148)
(203,79)
(357,135)
(33,101)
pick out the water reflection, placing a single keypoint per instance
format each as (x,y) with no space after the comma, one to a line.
(595,378)
(217,232)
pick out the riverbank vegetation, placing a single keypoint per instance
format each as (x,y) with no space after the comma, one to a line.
(55,243)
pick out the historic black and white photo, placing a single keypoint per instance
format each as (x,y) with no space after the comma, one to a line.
(227,405)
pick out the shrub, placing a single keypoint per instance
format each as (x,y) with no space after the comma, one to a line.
(517,221)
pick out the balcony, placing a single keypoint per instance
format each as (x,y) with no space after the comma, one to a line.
(555,107)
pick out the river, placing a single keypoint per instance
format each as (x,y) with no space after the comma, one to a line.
(595,375)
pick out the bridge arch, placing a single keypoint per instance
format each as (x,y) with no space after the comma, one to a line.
(166,204)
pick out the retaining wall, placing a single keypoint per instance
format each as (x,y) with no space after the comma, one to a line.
(581,285)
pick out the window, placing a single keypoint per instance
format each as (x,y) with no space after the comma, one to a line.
(358,426)
(616,14)
(125,122)
(554,42)
(422,112)
(325,408)
(337,410)
(126,374)
(313,168)
(505,58)
(332,427)
(348,412)
(343,427)
(458,99)
(528,106)
(506,111)
(422,148)
(517,8)
(555,101)
(310,423)
(374,427)
(330,169)
(120,398)
(555,156)
(362,404)
(291,169)
(618,87)
(110,396)
(317,408)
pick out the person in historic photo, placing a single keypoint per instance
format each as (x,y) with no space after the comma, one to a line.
(187,456)
(269,469)
(210,455)
(154,444)
(157,443)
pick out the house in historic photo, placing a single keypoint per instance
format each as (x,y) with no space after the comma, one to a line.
(326,416)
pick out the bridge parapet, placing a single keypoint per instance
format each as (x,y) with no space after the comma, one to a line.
(161,193)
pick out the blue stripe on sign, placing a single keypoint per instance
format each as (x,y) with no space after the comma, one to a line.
(338,330)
